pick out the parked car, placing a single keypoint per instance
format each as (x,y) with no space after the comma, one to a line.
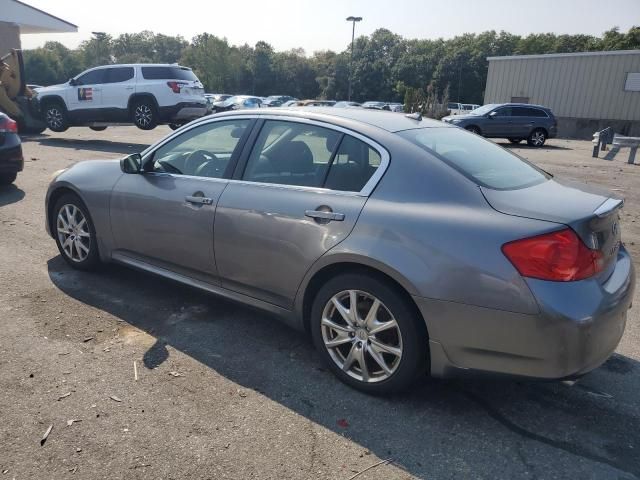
(146,95)
(290,103)
(394,107)
(346,104)
(468,107)
(11,160)
(315,103)
(402,245)
(515,121)
(374,105)
(455,108)
(277,100)
(218,97)
(237,102)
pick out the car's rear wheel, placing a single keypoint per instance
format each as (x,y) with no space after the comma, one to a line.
(74,233)
(473,129)
(145,115)
(98,129)
(368,334)
(7,178)
(537,138)
(55,116)
(515,140)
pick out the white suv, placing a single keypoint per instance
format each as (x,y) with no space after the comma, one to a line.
(143,94)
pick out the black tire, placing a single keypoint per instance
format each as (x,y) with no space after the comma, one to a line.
(92,259)
(537,138)
(414,340)
(98,129)
(8,178)
(144,114)
(515,140)
(473,129)
(55,116)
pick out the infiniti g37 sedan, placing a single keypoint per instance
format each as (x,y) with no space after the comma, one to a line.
(403,246)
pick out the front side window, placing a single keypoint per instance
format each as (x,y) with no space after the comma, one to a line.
(203,151)
(290,153)
(478,159)
(93,77)
(503,112)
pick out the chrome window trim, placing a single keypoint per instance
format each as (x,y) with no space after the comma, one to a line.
(368,188)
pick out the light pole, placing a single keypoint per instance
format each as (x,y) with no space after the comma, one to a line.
(353,20)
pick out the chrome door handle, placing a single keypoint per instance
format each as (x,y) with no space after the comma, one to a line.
(324,215)
(199,200)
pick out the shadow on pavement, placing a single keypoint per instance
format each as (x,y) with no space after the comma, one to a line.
(523,144)
(10,194)
(106,146)
(443,429)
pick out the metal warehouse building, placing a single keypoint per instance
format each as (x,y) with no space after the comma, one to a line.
(587,91)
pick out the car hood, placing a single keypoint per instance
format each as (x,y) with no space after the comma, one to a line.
(465,116)
(52,88)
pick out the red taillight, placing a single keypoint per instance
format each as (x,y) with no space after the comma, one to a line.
(8,126)
(176,86)
(558,256)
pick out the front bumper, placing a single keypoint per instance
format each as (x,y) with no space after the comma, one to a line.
(578,327)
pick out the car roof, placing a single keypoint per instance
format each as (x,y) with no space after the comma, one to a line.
(522,105)
(389,121)
(140,65)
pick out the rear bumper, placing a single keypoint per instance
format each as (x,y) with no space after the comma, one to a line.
(578,327)
(11,160)
(183,112)
(553,131)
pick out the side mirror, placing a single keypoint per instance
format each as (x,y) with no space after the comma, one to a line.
(493,114)
(131,163)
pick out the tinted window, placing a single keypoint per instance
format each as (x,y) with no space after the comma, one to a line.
(536,112)
(93,77)
(204,151)
(503,112)
(168,73)
(480,160)
(290,153)
(353,165)
(119,74)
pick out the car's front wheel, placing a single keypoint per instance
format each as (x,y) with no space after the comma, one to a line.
(7,178)
(537,138)
(55,117)
(368,334)
(145,116)
(74,233)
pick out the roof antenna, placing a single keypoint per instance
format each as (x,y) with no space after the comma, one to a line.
(414,116)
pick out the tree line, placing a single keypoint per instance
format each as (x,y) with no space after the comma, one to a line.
(385,65)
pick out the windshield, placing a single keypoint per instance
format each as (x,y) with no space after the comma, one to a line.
(483,110)
(480,160)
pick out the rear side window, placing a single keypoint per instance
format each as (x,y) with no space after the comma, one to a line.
(478,159)
(528,112)
(119,74)
(168,73)
(353,166)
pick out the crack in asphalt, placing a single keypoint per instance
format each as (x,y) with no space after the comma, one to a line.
(558,444)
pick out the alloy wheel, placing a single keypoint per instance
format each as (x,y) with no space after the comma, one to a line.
(143,115)
(73,233)
(54,118)
(538,138)
(361,336)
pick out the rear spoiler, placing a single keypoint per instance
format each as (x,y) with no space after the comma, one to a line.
(608,206)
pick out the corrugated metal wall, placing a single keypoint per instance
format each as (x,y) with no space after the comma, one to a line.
(574,86)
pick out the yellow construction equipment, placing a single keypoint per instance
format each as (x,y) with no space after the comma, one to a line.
(16,99)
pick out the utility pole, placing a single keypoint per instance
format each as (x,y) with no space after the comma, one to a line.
(353,20)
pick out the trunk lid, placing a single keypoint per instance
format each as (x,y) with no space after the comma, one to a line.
(592,212)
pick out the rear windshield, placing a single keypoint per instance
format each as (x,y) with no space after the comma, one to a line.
(168,73)
(481,160)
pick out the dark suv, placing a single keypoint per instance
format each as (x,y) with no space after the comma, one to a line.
(515,121)
(11,161)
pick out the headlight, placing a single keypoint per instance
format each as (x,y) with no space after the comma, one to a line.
(55,174)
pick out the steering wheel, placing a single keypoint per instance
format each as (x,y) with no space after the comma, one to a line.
(195,159)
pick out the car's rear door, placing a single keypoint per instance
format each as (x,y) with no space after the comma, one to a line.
(165,215)
(295,195)
(118,87)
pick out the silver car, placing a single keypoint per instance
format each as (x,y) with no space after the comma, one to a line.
(403,246)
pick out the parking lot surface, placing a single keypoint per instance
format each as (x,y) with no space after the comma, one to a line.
(224,391)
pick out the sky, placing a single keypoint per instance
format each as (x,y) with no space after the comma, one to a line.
(321,25)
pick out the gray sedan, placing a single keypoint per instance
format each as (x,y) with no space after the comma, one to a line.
(403,246)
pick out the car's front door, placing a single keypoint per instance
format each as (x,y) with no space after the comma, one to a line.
(165,215)
(298,194)
(498,123)
(84,98)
